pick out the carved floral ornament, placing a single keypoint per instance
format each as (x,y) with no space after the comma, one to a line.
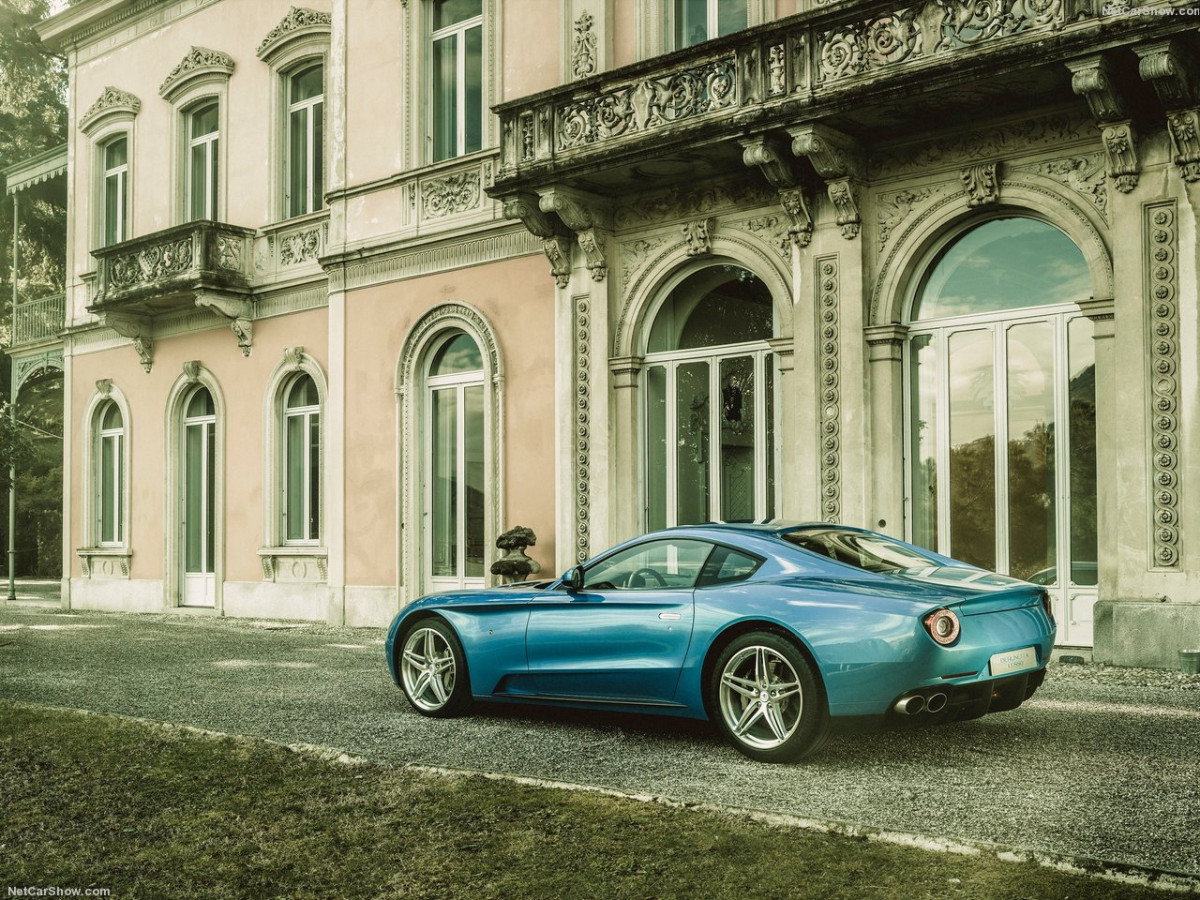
(298,23)
(198,63)
(111,102)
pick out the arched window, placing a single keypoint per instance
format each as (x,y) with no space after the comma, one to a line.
(302,462)
(709,401)
(199,498)
(1002,396)
(110,476)
(455,490)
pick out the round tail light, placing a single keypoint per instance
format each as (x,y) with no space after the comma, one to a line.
(942,625)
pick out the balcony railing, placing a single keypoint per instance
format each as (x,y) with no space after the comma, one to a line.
(172,269)
(837,59)
(36,321)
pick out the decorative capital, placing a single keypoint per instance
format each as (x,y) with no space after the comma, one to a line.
(198,62)
(111,102)
(577,210)
(558,251)
(592,245)
(525,206)
(104,387)
(1120,147)
(1183,125)
(243,330)
(842,195)
(795,205)
(982,182)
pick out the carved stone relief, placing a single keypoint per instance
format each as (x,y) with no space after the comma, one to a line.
(698,235)
(583,437)
(1085,174)
(1162,281)
(450,195)
(892,208)
(584,52)
(829,381)
(982,184)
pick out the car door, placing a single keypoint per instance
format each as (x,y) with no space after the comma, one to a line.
(623,637)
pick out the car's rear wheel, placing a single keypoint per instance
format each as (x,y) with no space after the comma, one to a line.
(433,669)
(767,700)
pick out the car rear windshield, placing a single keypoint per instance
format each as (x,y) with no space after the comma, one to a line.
(872,552)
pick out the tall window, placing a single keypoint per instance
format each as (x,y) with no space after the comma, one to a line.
(110,480)
(709,402)
(116,190)
(306,141)
(456,498)
(203,137)
(457,63)
(199,498)
(302,462)
(700,20)
(1002,400)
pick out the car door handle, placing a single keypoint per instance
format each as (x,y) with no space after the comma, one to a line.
(670,617)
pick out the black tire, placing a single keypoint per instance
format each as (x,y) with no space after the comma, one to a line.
(433,669)
(766,699)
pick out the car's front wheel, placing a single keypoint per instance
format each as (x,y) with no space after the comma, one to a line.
(433,669)
(767,700)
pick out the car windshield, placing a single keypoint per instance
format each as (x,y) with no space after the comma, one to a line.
(872,552)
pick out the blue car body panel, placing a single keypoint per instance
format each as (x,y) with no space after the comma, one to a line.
(646,650)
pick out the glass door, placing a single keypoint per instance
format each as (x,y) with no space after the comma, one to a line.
(199,494)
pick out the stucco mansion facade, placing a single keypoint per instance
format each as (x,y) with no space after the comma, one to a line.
(354,287)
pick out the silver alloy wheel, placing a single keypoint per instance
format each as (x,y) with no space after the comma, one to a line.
(428,668)
(761,699)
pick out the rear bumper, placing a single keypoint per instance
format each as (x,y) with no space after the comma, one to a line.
(971,700)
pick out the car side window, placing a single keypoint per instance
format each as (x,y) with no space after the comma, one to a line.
(726,565)
(655,565)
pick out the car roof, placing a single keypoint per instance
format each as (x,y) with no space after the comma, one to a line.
(772,528)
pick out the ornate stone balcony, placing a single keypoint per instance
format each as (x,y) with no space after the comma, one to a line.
(865,69)
(198,265)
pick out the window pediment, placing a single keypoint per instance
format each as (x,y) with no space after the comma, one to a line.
(299,23)
(113,103)
(199,63)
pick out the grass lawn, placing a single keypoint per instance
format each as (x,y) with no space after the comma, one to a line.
(152,812)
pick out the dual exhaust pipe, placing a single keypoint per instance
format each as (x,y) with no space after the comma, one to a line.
(915,704)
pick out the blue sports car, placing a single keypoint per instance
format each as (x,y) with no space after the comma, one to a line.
(775,632)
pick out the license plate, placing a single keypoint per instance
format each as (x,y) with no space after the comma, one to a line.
(1012,661)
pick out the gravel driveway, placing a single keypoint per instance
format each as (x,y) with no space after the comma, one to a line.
(1103,763)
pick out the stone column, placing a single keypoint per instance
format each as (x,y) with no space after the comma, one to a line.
(885,355)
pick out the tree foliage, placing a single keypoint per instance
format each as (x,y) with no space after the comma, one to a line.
(33,119)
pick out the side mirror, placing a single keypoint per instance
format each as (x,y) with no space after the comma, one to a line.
(572,579)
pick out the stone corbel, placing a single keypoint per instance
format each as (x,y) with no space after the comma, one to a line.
(555,241)
(233,307)
(837,158)
(1175,75)
(1092,78)
(771,157)
(587,217)
(137,329)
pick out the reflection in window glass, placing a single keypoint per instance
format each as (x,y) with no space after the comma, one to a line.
(202,163)
(116,190)
(656,565)
(972,449)
(302,507)
(698,20)
(1005,264)
(111,499)
(717,305)
(656,448)
(737,439)
(306,141)
(1032,498)
(923,435)
(1081,394)
(445,483)
(692,416)
(457,73)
